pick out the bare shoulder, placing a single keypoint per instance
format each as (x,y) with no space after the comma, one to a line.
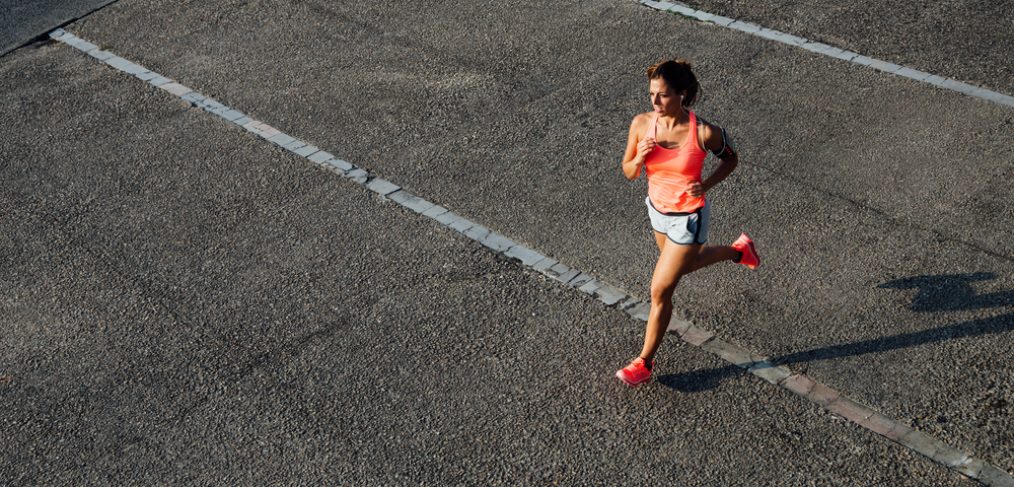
(709,134)
(640,122)
(707,129)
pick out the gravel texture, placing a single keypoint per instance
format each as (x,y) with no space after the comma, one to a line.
(184,303)
(863,190)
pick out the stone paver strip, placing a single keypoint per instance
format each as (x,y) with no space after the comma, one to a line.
(568,275)
(639,311)
(268,131)
(850,410)
(100,54)
(320,156)
(281,139)
(999,98)
(193,98)
(382,187)
(304,151)
(497,242)
(912,73)
(628,303)
(921,442)
(879,424)
(446,218)
(747,27)
(526,255)
(733,354)
(232,115)
(175,88)
(579,280)
(770,372)
(822,394)
(417,204)
(678,326)
(83,44)
(461,224)
(884,66)
(697,336)
(609,295)
(863,60)
(435,211)
(360,176)
(798,383)
(339,164)
(991,475)
(590,287)
(557,269)
(159,81)
(544,264)
(476,232)
(291,146)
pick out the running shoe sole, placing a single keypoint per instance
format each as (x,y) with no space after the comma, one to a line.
(629,383)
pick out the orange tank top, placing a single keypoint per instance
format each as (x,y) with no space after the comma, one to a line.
(672,171)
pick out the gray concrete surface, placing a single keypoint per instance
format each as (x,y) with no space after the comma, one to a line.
(184,304)
(879,205)
(21,21)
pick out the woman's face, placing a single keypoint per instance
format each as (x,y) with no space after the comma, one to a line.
(664,99)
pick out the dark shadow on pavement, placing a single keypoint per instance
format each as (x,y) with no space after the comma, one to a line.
(936,293)
(951,292)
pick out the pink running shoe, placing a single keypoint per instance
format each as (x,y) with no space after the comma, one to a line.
(750,257)
(634,374)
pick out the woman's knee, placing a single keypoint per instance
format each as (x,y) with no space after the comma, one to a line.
(661,293)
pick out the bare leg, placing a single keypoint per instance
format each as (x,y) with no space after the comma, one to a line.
(708,255)
(660,239)
(673,262)
(712,255)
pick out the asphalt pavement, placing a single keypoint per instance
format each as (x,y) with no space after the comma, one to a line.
(187,304)
(22,22)
(967,40)
(271,322)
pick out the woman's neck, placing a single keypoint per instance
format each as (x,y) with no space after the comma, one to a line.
(670,120)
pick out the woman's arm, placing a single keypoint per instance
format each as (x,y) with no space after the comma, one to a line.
(717,142)
(637,150)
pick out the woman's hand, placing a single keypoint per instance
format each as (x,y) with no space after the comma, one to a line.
(696,190)
(645,146)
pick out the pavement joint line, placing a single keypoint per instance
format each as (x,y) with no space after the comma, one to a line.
(831,51)
(813,391)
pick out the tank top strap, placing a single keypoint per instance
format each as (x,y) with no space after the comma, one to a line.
(694,130)
(653,129)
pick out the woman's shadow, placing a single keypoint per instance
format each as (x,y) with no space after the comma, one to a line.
(946,292)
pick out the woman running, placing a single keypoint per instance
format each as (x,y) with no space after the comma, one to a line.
(671,143)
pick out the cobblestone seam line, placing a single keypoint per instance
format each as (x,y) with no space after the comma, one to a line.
(609,295)
(821,48)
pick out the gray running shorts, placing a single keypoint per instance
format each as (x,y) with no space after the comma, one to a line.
(681,228)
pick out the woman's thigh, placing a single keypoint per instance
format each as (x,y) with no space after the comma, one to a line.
(674,260)
(660,239)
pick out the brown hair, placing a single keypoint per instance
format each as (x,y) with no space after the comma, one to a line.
(678,76)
